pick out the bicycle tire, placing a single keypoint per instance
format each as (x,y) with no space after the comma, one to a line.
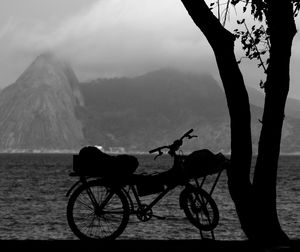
(199,208)
(86,223)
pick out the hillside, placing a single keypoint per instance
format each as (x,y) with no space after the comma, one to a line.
(151,110)
(47,109)
(37,112)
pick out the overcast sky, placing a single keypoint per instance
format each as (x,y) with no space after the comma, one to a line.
(104,38)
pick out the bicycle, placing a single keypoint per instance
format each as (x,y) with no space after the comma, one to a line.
(100,208)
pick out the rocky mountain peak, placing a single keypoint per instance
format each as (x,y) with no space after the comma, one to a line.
(50,71)
(38,110)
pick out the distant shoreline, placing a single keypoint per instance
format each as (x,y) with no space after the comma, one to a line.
(112,153)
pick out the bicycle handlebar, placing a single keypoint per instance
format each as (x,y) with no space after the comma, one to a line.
(174,146)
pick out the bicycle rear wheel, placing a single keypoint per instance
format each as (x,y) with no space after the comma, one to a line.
(95,211)
(199,207)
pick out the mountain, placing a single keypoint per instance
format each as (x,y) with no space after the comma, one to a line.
(151,110)
(37,112)
(47,109)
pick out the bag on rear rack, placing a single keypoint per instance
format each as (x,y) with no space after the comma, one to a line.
(203,162)
(93,162)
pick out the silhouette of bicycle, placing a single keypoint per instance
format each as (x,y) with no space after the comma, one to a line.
(100,208)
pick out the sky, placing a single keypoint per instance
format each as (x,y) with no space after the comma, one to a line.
(114,38)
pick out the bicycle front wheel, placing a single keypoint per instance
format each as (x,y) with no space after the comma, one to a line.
(200,209)
(95,211)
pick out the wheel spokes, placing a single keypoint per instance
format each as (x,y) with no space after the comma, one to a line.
(98,212)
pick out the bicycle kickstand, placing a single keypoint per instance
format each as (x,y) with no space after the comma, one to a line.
(159,217)
(202,236)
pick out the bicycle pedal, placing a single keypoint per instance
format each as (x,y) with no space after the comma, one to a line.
(159,217)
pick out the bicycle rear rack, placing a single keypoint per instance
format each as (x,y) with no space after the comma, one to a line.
(214,184)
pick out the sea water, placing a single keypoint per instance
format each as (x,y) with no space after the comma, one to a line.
(33,201)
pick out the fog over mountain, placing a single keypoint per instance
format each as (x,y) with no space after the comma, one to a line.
(46,109)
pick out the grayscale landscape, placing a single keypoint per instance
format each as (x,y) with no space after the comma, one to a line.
(150,120)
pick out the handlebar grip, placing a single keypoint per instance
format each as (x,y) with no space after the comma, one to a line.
(189,132)
(155,150)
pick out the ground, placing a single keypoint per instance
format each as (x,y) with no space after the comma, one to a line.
(141,245)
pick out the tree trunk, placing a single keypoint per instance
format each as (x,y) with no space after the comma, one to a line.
(282,30)
(222,43)
(255,204)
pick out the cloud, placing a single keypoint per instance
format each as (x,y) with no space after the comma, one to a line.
(7,28)
(116,37)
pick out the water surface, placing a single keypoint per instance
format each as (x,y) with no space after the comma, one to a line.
(33,202)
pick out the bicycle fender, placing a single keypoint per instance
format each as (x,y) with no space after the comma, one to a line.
(72,188)
(129,199)
(182,194)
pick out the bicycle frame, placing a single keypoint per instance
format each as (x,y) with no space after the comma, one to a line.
(177,163)
(152,203)
(164,192)
(197,204)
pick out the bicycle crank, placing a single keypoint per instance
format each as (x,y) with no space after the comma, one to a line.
(143,213)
